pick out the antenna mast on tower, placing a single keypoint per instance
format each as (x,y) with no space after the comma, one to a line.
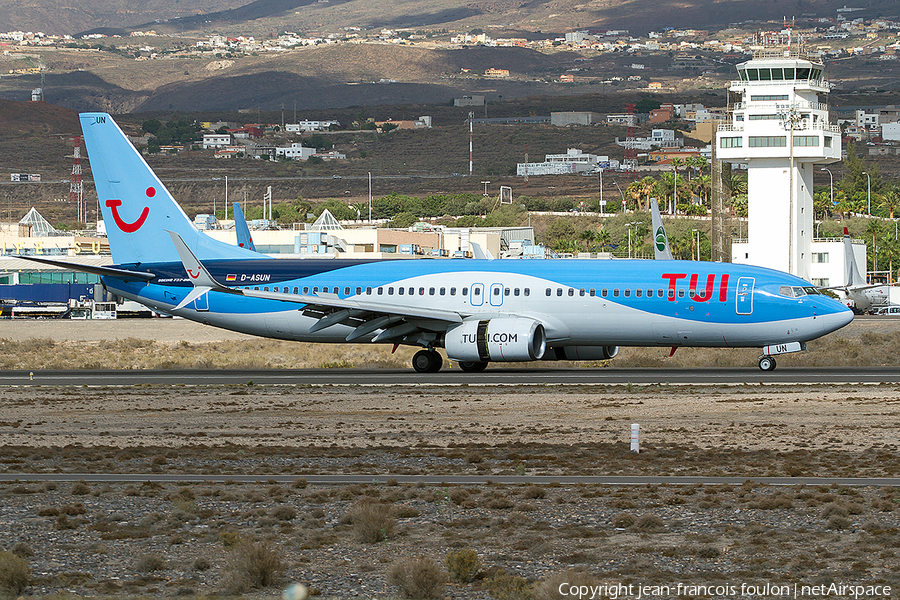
(76,184)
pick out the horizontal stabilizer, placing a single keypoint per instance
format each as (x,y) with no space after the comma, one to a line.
(124,274)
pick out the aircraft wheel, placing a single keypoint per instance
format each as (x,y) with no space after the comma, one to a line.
(427,361)
(767,363)
(473,367)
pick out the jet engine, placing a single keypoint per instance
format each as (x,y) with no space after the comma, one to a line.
(582,353)
(509,339)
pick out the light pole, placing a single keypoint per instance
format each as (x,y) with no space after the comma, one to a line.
(629,235)
(602,203)
(621,194)
(370,197)
(869,193)
(697,232)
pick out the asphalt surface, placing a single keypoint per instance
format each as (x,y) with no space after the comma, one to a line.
(447,479)
(498,376)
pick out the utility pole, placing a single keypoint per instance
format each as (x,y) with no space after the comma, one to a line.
(471,122)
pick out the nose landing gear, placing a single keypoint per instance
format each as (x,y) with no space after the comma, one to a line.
(767,363)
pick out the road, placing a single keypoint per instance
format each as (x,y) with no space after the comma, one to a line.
(498,376)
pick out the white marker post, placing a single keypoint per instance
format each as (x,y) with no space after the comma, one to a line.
(635,437)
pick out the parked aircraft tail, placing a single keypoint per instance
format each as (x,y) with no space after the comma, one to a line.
(244,239)
(852,276)
(136,206)
(661,250)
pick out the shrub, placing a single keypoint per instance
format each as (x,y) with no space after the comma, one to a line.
(201,564)
(14,574)
(837,522)
(834,510)
(649,524)
(284,512)
(463,565)
(419,578)
(534,492)
(549,589)
(253,565)
(81,489)
(623,520)
(372,521)
(149,563)
(504,586)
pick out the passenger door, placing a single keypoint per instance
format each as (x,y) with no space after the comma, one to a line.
(744,296)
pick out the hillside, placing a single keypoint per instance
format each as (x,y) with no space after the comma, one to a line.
(268,16)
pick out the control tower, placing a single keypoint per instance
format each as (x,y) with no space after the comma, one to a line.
(779,128)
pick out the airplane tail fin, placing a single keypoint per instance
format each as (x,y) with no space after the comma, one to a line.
(136,206)
(661,250)
(852,276)
(244,240)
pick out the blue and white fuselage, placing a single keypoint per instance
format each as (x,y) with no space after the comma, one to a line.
(479,311)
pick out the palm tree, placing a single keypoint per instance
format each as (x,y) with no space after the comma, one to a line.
(588,235)
(890,201)
(647,186)
(702,187)
(634,192)
(604,239)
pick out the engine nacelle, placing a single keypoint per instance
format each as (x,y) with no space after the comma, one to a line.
(510,339)
(582,353)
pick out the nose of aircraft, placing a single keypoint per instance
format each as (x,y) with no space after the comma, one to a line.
(837,318)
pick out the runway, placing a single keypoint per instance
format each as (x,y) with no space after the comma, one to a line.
(623,480)
(498,376)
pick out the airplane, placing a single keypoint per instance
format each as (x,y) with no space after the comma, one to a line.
(858,293)
(661,250)
(478,310)
(244,240)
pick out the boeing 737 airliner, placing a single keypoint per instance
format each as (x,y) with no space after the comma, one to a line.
(478,311)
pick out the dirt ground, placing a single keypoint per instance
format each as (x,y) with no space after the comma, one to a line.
(154,540)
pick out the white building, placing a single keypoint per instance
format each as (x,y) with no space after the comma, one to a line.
(780,129)
(573,161)
(216,140)
(295,151)
(310,126)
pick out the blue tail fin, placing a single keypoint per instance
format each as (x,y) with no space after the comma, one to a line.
(240,228)
(137,208)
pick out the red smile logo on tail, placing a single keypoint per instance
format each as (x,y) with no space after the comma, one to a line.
(135,225)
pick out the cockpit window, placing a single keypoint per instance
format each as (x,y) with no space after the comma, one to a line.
(797,292)
(812,291)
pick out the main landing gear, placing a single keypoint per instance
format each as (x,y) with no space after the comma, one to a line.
(427,361)
(472,367)
(767,363)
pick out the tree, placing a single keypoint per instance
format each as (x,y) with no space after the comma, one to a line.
(890,201)
(151,126)
(702,186)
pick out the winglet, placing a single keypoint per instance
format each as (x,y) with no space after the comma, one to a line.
(661,250)
(479,252)
(197,274)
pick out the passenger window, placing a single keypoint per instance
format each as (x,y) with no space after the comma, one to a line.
(548,291)
(559,291)
(358,291)
(638,292)
(649,293)
(465,291)
(627,293)
(296,290)
(603,292)
(616,293)
(368,291)
(422,291)
(305,291)
(431,291)
(692,293)
(266,289)
(593,292)
(399,291)
(256,288)
(671,293)
(412,291)
(316,290)
(660,292)
(571,291)
(391,291)
(347,291)
(380,291)
(527,291)
(506,291)
(681,293)
(496,291)
(453,291)
(581,292)
(516,292)
(476,291)
(443,291)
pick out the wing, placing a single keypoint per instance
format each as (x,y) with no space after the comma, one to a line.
(364,315)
